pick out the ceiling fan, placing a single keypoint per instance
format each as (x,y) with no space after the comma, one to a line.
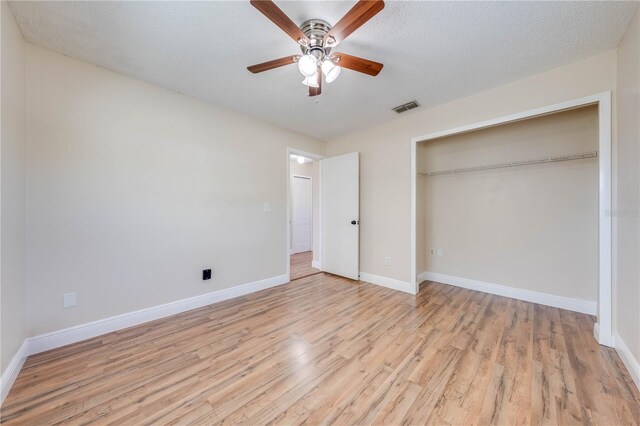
(316,39)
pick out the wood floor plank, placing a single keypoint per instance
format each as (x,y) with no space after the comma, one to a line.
(328,350)
(508,398)
(462,398)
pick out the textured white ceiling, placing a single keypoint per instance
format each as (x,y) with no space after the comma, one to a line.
(433,52)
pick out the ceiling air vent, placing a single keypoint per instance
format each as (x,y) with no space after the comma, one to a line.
(406,107)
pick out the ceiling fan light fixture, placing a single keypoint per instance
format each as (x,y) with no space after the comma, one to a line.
(307,64)
(316,38)
(311,80)
(330,70)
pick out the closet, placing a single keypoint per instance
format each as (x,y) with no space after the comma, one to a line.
(514,205)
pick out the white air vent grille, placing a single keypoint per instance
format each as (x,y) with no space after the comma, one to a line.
(406,107)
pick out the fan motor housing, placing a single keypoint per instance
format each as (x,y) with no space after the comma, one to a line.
(315,29)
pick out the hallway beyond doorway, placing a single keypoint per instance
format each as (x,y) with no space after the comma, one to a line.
(301,265)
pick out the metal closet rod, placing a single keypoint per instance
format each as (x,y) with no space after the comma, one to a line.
(580,156)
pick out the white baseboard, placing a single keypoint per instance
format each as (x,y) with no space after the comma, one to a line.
(56,339)
(603,339)
(632,364)
(388,282)
(422,276)
(316,264)
(576,305)
(10,374)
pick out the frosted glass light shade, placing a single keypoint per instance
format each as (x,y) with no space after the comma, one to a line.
(308,65)
(311,81)
(330,70)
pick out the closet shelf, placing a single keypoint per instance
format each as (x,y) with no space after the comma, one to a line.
(580,156)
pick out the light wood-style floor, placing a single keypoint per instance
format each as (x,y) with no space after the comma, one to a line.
(328,350)
(301,265)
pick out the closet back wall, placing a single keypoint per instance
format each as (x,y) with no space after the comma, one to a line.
(529,227)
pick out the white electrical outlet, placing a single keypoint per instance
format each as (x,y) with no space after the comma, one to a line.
(439,252)
(69,300)
(387,260)
(432,252)
(267,207)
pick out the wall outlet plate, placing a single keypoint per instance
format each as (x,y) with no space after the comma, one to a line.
(69,300)
(206,274)
(387,260)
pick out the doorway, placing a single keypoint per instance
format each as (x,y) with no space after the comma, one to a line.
(304,221)
(334,194)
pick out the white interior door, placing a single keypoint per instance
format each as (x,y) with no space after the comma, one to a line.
(340,235)
(301,214)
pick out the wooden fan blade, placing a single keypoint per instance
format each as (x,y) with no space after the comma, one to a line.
(315,91)
(357,64)
(276,63)
(277,16)
(354,19)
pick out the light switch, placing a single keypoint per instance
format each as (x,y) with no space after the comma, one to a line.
(267,207)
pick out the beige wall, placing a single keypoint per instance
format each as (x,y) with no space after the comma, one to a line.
(627,218)
(13,166)
(532,227)
(385,161)
(134,189)
(311,170)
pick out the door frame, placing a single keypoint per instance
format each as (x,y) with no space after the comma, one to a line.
(603,329)
(310,179)
(314,157)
